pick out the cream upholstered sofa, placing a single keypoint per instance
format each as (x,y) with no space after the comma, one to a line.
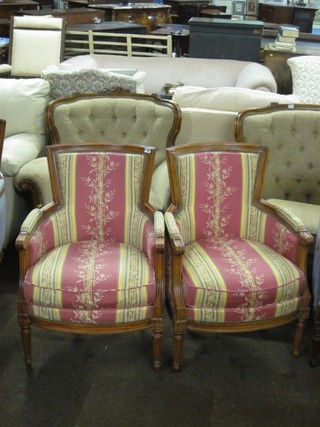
(22,105)
(187,71)
(208,115)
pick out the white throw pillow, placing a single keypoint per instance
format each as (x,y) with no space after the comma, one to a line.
(22,105)
(227,98)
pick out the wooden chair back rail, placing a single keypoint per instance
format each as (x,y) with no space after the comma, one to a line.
(90,42)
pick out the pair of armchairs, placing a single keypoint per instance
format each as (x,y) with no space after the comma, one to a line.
(93,261)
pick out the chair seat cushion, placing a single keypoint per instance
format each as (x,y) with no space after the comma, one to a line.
(237,280)
(91,282)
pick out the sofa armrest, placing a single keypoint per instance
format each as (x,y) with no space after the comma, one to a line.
(257,76)
(34,177)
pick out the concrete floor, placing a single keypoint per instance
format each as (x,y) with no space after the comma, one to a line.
(227,380)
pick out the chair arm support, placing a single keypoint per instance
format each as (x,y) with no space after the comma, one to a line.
(159,230)
(291,222)
(176,239)
(27,228)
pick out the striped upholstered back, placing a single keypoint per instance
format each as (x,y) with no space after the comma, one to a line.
(215,194)
(101,196)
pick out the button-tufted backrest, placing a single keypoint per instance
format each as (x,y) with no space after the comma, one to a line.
(122,120)
(292,132)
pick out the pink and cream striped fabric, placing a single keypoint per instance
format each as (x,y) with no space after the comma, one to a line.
(238,263)
(93,260)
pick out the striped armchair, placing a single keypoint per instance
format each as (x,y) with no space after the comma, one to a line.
(92,260)
(235,263)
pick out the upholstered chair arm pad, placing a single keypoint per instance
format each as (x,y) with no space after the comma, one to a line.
(28,227)
(159,230)
(176,240)
(280,232)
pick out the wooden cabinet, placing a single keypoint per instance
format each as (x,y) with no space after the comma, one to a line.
(292,13)
(149,14)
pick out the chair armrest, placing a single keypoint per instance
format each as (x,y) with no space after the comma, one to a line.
(175,237)
(28,227)
(5,69)
(159,230)
(34,177)
(282,231)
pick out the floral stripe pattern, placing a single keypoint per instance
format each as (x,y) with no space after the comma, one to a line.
(98,266)
(238,260)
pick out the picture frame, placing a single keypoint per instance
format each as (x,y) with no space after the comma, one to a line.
(238,7)
(252,7)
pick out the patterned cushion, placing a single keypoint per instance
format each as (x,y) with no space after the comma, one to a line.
(305,71)
(91,282)
(236,280)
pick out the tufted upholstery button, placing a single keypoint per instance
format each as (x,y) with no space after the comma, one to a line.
(315,134)
(280,146)
(134,118)
(288,164)
(277,180)
(298,180)
(91,117)
(124,134)
(145,134)
(311,165)
(102,133)
(301,149)
(80,132)
(114,118)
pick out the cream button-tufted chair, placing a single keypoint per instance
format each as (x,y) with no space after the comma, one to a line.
(292,132)
(305,73)
(235,263)
(93,261)
(2,193)
(35,43)
(120,119)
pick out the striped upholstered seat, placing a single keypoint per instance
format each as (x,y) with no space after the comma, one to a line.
(241,264)
(90,263)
